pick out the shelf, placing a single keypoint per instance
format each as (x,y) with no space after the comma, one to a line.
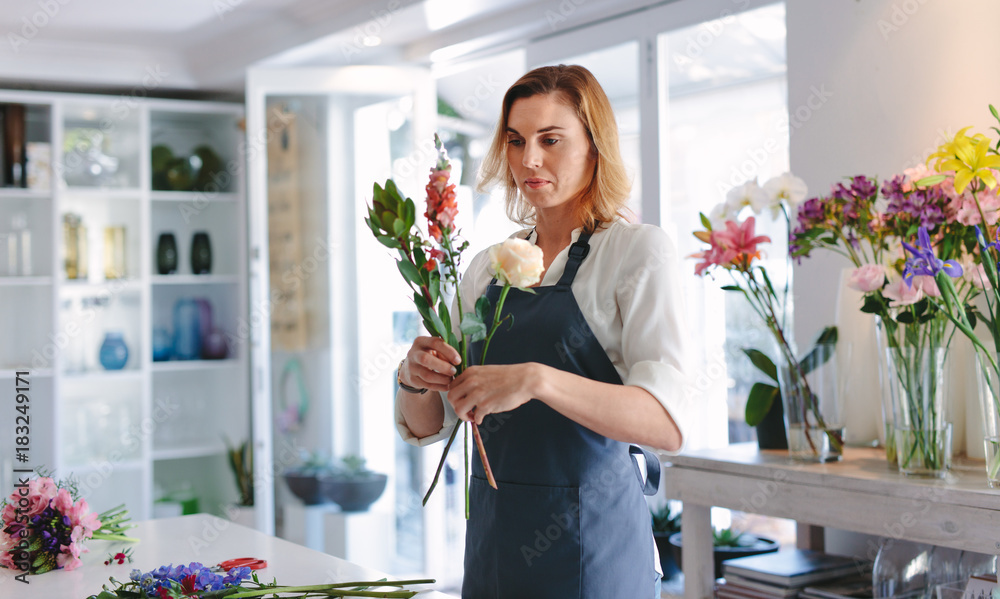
(189,365)
(103,193)
(20,193)
(181,453)
(79,471)
(193,196)
(24,281)
(194,279)
(117,285)
(97,376)
(33,373)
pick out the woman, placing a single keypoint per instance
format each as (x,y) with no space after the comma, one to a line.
(591,363)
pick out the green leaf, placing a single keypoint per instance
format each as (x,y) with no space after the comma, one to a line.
(904,318)
(445,317)
(473,327)
(759,402)
(827,335)
(872,305)
(398,227)
(820,354)
(930,180)
(435,287)
(762,362)
(389,242)
(410,272)
(410,215)
(704,221)
(993,111)
(422,307)
(731,288)
(970,313)
(483,308)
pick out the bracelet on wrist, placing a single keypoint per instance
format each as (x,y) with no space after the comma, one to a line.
(404,386)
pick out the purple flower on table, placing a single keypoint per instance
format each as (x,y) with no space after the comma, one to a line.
(922,260)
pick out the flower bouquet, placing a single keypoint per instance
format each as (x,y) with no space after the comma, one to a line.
(968,165)
(198,581)
(45,524)
(733,247)
(868,225)
(431,269)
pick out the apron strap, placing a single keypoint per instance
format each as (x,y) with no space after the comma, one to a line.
(577,252)
(652,478)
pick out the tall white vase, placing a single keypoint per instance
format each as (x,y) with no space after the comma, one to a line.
(857,355)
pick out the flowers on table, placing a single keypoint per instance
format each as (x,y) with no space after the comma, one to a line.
(197,580)
(870,224)
(733,246)
(431,269)
(46,522)
(967,164)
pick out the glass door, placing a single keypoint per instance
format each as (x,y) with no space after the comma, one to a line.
(331,317)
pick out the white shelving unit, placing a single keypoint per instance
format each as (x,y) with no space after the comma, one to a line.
(151,428)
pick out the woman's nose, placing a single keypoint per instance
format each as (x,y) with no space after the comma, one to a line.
(532,157)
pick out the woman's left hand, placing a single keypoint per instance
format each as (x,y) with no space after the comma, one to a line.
(491,389)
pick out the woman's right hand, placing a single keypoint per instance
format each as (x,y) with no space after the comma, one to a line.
(430,363)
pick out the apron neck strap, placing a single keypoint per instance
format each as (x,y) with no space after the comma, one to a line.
(577,252)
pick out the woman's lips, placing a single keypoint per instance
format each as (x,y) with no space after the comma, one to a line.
(535,183)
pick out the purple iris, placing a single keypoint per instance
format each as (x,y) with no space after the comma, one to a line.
(982,240)
(924,262)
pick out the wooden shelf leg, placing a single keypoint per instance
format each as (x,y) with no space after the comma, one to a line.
(699,567)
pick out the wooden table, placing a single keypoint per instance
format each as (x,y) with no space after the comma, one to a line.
(198,538)
(859,493)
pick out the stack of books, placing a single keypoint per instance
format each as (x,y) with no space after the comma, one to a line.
(795,573)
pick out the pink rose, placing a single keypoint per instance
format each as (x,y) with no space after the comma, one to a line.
(517,262)
(867,278)
(901,294)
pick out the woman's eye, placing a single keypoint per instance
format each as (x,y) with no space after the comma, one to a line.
(514,142)
(550,141)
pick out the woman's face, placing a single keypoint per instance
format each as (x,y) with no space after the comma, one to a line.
(548,152)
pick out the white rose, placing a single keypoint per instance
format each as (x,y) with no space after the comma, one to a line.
(517,262)
(787,188)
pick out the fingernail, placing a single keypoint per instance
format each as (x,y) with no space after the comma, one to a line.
(453,370)
(457,360)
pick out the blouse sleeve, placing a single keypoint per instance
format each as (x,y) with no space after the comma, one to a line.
(472,286)
(654,334)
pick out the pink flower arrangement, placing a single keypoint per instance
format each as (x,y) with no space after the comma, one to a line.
(44,526)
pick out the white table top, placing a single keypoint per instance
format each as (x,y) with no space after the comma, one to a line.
(197,538)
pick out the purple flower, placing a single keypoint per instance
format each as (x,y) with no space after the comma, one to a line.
(924,262)
(863,187)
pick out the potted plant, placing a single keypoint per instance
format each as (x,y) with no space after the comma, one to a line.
(241,463)
(665,523)
(308,481)
(354,487)
(728,544)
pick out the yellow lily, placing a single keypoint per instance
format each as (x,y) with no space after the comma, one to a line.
(969,158)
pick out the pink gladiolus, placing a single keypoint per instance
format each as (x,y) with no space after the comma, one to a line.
(901,294)
(976,275)
(867,278)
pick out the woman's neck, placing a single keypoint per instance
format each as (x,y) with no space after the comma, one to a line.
(553,234)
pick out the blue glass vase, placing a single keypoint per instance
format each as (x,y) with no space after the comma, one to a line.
(163,345)
(187,329)
(114,352)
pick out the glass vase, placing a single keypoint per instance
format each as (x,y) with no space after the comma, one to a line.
(888,405)
(114,352)
(201,254)
(914,382)
(166,254)
(812,403)
(988,382)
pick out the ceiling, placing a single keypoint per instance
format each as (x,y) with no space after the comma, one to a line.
(208,44)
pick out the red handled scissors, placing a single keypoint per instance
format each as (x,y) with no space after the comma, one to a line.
(243,562)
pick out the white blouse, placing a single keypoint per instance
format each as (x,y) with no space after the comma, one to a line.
(628,288)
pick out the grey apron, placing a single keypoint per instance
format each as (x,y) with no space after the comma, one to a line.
(569,519)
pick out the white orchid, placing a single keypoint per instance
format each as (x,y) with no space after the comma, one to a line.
(748,194)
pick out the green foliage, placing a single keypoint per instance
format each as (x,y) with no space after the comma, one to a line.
(730,537)
(241,463)
(763,395)
(665,521)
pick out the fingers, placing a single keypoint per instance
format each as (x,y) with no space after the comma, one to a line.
(430,363)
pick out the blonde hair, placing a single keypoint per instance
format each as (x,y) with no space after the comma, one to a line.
(608,192)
